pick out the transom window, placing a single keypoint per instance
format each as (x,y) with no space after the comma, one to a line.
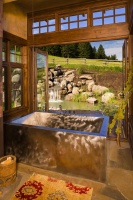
(43,26)
(73,21)
(111,16)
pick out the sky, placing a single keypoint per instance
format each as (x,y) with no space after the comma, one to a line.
(111,47)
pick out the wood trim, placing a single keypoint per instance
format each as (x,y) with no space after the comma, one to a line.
(75,6)
(14,39)
(1,87)
(91,34)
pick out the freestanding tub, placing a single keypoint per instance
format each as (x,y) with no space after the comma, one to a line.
(49,141)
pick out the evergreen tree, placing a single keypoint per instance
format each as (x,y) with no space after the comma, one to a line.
(101,52)
(85,50)
(94,53)
(69,51)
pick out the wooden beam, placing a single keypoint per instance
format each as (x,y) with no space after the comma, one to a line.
(91,34)
(1,89)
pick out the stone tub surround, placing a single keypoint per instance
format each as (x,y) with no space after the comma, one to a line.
(119,184)
(66,151)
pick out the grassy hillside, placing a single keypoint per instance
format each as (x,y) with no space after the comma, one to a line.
(95,64)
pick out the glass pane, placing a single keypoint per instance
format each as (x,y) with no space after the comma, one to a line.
(3,94)
(119,19)
(51,28)
(35,24)
(63,19)
(109,20)
(18,58)
(73,18)
(64,26)
(119,11)
(18,50)
(51,21)
(12,58)
(16,85)
(97,22)
(3,56)
(108,13)
(82,24)
(43,30)
(83,17)
(12,48)
(43,23)
(35,30)
(41,86)
(73,25)
(97,14)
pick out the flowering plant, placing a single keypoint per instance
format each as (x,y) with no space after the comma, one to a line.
(119,115)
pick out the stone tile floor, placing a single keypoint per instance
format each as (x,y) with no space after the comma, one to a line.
(119,184)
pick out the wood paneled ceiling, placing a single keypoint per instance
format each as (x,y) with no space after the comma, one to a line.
(37,5)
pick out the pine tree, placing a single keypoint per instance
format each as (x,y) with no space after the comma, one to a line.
(85,50)
(101,52)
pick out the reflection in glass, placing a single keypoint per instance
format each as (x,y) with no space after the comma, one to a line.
(119,19)
(16,87)
(97,22)
(41,81)
(3,94)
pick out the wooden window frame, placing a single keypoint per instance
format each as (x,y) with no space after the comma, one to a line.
(8,66)
(43,26)
(114,15)
(68,15)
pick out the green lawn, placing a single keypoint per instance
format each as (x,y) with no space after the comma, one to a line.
(95,62)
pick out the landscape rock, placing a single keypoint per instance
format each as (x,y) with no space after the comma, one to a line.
(75,90)
(92,100)
(99,89)
(107,97)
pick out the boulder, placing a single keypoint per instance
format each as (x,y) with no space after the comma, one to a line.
(69,97)
(90,84)
(92,100)
(75,90)
(107,97)
(86,76)
(69,72)
(99,89)
(16,78)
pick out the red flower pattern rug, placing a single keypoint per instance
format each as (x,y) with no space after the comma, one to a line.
(40,187)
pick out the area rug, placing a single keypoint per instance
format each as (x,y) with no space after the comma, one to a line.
(42,187)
